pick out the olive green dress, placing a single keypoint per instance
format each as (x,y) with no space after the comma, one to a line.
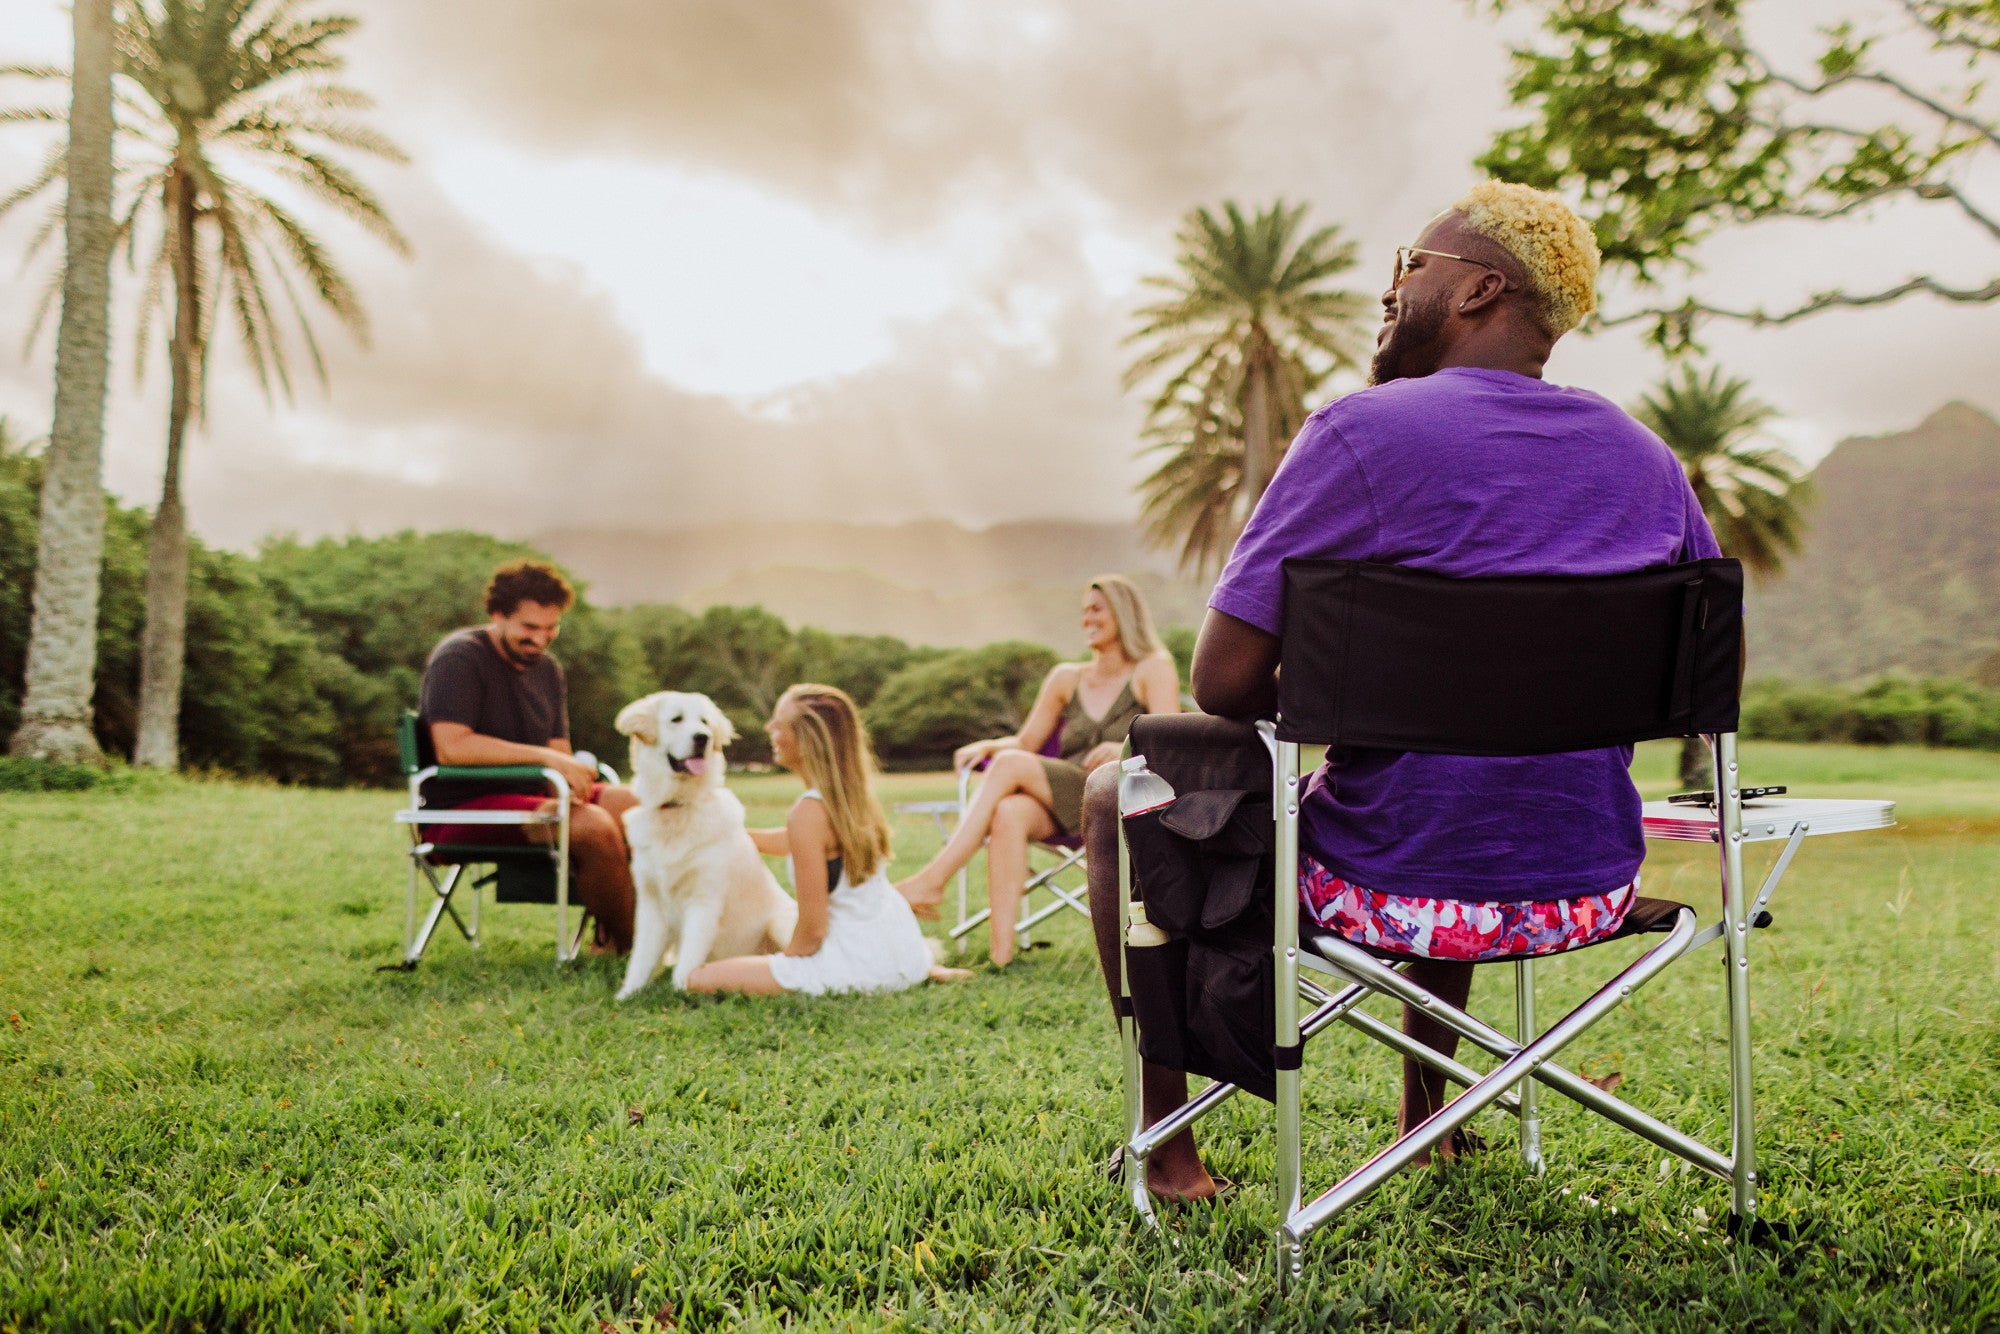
(1080,734)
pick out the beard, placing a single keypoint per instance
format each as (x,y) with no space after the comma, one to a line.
(1416,343)
(520,653)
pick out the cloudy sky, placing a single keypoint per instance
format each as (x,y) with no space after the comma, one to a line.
(685,260)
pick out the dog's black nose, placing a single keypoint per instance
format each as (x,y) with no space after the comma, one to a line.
(701,743)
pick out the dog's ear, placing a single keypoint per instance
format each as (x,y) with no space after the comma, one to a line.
(640,720)
(719,726)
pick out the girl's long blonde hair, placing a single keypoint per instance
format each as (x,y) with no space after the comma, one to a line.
(835,757)
(1136,636)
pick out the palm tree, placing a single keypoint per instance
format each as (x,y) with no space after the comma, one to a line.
(228,97)
(62,643)
(1248,327)
(1754,495)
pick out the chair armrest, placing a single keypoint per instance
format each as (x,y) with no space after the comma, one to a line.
(1198,752)
(491,773)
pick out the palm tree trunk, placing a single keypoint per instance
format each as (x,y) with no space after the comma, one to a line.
(62,646)
(1256,429)
(162,652)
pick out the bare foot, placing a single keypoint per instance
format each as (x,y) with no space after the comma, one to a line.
(923,903)
(1460,1143)
(1178,1176)
(939,973)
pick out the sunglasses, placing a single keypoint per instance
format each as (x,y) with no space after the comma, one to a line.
(1403,254)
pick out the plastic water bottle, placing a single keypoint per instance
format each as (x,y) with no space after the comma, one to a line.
(1142,932)
(1140,789)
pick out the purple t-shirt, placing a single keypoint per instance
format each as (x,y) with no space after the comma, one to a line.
(1470,473)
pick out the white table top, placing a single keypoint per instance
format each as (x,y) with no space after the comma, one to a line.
(1769,818)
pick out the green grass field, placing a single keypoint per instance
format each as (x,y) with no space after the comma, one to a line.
(215,1114)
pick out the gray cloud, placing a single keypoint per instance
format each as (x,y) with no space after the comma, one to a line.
(503,393)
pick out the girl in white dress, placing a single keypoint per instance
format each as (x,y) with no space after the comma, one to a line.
(855,932)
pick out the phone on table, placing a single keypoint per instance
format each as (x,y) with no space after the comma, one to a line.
(1708,798)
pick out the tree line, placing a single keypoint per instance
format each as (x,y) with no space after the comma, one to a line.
(301,656)
(1664,122)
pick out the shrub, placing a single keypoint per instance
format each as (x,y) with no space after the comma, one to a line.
(931,708)
(1892,711)
(19,775)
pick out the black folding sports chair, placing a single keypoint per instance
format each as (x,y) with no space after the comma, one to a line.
(1395,659)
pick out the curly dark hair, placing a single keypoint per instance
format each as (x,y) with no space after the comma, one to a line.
(521,581)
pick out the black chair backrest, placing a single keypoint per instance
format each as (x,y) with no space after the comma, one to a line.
(1399,659)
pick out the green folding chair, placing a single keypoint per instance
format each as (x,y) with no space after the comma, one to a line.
(517,873)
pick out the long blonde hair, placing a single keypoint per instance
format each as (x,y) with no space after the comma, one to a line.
(1136,636)
(835,757)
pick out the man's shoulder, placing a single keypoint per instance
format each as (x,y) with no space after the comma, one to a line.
(459,645)
(1473,401)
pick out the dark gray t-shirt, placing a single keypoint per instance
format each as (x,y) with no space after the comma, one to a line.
(469,681)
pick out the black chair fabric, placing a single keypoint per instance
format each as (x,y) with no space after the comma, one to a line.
(1397,659)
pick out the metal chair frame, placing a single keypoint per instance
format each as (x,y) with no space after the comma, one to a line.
(1344,975)
(445,880)
(1068,857)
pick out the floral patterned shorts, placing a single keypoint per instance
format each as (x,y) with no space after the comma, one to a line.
(1465,930)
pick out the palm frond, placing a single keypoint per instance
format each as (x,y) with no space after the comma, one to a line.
(208,83)
(55,166)
(1250,294)
(1754,496)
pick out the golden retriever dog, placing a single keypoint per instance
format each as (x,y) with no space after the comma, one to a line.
(703,890)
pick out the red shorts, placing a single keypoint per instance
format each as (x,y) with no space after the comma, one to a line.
(504,835)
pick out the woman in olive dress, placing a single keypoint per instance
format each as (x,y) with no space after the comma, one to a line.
(1026,796)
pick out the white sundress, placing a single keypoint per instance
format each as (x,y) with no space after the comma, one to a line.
(873,942)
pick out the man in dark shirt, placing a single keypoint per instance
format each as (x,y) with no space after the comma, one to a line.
(493,695)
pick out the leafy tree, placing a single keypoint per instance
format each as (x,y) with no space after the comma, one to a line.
(377,607)
(256,701)
(1248,327)
(927,710)
(61,651)
(1754,495)
(1670,123)
(222,95)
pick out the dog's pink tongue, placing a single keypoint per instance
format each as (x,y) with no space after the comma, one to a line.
(697,765)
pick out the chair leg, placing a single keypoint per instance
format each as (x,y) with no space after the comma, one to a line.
(1131,1066)
(1736,936)
(1285,972)
(1300,1223)
(442,905)
(1524,1029)
(1565,1082)
(565,951)
(410,911)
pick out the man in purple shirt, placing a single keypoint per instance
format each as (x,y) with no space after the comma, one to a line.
(1458,459)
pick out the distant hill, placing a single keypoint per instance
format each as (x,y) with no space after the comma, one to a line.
(929,583)
(1900,571)
(1901,565)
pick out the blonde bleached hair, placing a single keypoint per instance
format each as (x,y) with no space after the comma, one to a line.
(1136,636)
(835,757)
(1553,244)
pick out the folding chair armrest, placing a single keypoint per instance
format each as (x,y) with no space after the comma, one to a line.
(1196,752)
(491,773)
